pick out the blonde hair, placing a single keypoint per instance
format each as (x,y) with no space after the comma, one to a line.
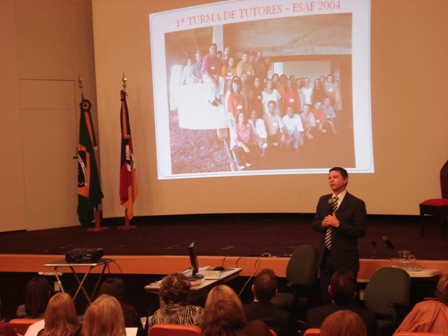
(60,316)
(104,317)
(343,323)
(222,292)
(224,318)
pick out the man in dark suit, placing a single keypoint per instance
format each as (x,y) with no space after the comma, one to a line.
(343,291)
(265,287)
(341,220)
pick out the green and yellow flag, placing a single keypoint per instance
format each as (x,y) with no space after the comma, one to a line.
(89,187)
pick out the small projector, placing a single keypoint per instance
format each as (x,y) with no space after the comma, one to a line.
(79,255)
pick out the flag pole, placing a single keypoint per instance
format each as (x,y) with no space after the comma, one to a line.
(127,225)
(97,211)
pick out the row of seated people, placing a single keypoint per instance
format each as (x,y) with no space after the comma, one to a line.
(57,313)
(254,70)
(226,65)
(250,137)
(224,314)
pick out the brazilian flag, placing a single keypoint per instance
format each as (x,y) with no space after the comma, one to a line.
(89,187)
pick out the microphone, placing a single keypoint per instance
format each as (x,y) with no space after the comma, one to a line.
(374,248)
(330,204)
(388,243)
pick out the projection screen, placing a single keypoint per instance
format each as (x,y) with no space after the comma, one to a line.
(301,42)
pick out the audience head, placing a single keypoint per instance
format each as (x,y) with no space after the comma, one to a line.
(38,292)
(222,292)
(342,287)
(175,288)
(442,289)
(7,329)
(60,316)
(343,322)
(113,287)
(224,318)
(265,285)
(104,317)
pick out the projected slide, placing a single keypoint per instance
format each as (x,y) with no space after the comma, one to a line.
(246,88)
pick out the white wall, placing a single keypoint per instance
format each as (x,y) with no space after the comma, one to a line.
(49,42)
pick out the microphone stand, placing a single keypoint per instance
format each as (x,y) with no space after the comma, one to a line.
(388,251)
(374,249)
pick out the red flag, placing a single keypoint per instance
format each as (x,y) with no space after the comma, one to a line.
(128,175)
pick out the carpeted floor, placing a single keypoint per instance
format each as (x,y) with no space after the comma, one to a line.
(232,235)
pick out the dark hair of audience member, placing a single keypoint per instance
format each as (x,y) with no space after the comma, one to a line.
(343,322)
(7,329)
(265,285)
(38,292)
(115,287)
(223,318)
(175,288)
(104,317)
(343,287)
(442,289)
(60,317)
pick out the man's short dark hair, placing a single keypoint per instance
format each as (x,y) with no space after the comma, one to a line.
(265,285)
(341,171)
(343,287)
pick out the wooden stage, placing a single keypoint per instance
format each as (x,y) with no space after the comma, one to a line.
(160,265)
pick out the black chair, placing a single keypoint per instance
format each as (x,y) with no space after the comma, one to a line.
(301,274)
(387,294)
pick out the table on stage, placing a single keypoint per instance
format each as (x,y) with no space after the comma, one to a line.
(227,275)
(90,265)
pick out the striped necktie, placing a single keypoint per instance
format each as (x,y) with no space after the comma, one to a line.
(334,207)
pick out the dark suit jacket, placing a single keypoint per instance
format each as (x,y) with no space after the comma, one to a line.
(316,316)
(352,216)
(282,321)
